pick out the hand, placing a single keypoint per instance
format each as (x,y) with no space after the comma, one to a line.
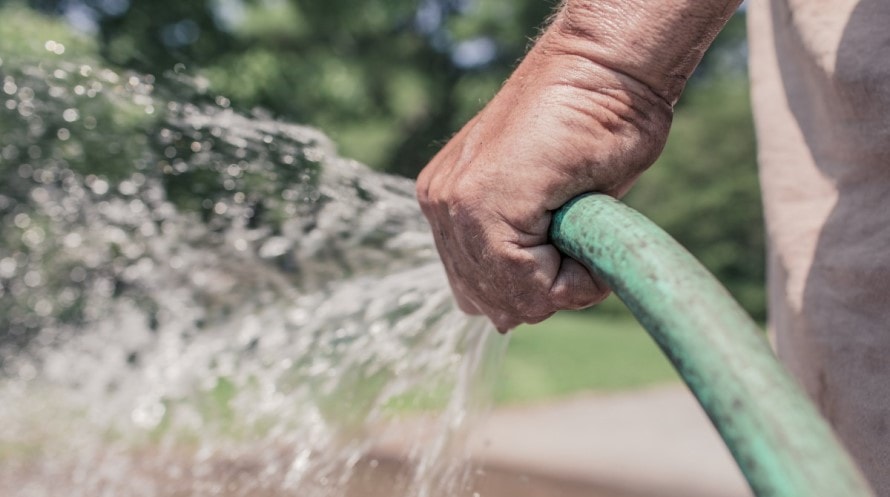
(562,125)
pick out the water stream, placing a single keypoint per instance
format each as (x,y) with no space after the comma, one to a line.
(195,301)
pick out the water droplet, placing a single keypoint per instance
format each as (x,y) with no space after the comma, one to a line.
(147,229)
(109,76)
(43,307)
(78,275)
(274,247)
(26,109)
(39,194)
(314,154)
(44,176)
(33,279)
(99,186)
(136,206)
(57,91)
(70,115)
(54,47)
(127,187)
(7,267)
(34,237)
(72,240)
(149,414)
(22,220)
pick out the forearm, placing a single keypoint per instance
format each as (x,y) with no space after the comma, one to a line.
(658,43)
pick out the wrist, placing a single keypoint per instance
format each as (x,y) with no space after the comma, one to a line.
(657,44)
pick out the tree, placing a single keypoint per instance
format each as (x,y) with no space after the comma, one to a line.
(704,189)
(390,80)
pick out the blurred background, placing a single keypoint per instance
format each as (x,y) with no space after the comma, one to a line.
(391,80)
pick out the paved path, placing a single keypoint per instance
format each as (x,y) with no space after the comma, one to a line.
(655,442)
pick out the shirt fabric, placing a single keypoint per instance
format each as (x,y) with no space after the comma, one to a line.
(820,74)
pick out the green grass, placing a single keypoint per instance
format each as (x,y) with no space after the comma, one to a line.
(580,351)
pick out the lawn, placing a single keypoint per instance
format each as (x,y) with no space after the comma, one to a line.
(580,351)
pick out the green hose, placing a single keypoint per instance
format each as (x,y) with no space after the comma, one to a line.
(781,443)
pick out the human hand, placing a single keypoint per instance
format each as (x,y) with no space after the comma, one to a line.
(562,125)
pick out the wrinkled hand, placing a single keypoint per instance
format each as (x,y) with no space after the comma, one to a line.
(562,125)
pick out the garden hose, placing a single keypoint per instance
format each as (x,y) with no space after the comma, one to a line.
(781,443)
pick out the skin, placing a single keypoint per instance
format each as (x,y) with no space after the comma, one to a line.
(588,109)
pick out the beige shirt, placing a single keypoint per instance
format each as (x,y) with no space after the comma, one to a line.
(820,73)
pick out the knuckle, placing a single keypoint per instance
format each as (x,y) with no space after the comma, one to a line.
(431,189)
(521,266)
(528,306)
(469,197)
(422,186)
(422,192)
(538,319)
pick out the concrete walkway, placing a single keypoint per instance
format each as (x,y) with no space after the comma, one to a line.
(655,442)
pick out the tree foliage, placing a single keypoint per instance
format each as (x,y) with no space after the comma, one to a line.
(386,78)
(704,189)
(390,80)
